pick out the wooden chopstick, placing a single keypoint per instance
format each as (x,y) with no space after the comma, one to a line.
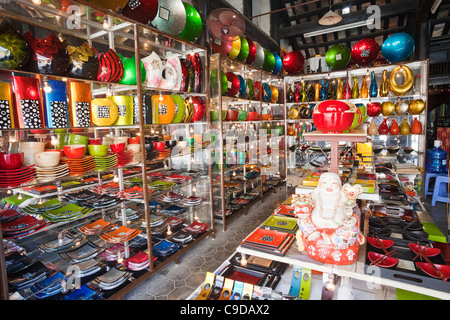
(422,255)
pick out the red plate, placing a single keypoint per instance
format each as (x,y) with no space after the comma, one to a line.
(16,170)
(18,177)
(15,184)
(428,269)
(427,251)
(387,262)
(376,242)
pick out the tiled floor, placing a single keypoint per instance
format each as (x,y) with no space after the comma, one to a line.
(178,281)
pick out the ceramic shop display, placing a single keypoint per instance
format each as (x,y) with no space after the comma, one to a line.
(7,120)
(171,17)
(80,104)
(194,26)
(328,221)
(110,67)
(14,48)
(104,112)
(83,62)
(143,11)
(47,56)
(153,69)
(28,102)
(397,47)
(56,111)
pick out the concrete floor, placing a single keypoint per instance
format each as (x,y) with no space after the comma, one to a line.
(178,281)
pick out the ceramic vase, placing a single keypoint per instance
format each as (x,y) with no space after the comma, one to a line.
(383,128)
(416,127)
(394,129)
(405,128)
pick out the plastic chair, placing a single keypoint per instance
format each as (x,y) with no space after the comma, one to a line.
(440,190)
(428,177)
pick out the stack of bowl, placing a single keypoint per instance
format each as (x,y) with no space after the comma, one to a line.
(134,144)
(29,148)
(75,157)
(12,171)
(48,167)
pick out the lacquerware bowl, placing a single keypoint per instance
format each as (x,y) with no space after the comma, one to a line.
(382,260)
(232,115)
(98,150)
(11,161)
(333,116)
(118,147)
(74,151)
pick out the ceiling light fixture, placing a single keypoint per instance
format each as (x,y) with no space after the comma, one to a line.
(330,18)
(339,28)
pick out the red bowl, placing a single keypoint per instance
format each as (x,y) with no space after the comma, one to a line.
(75,151)
(134,140)
(232,115)
(95,141)
(376,242)
(428,269)
(333,106)
(427,251)
(252,116)
(118,147)
(387,262)
(11,161)
(159,145)
(333,122)
(265,116)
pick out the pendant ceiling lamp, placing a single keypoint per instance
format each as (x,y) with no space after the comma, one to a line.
(330,18)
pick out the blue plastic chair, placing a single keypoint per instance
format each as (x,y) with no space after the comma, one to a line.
(440,192)
(428,177)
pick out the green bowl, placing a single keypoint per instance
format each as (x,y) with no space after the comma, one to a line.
(242,116)
(77,139)
(98,150)
(214,114)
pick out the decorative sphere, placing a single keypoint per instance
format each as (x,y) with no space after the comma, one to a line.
(338,57)
(397,47)
(293,62)
(365,51)
(14,51)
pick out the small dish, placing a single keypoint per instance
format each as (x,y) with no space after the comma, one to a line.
(381,260)
(427,251)
(380,243)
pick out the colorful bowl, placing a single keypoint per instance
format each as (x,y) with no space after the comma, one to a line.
(332,116)
(252,116)
(95,141)
(134,140)
(232,115)
(47,159)
(74,151)
(215,115)
(11,161)
(118,147)
(382,260)
(98,150)
(159,145)
(242,115)
(77,139)
(426,251)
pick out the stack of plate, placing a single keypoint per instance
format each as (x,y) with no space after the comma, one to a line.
(124,158)
(112,254)
(23,226)
(108,188)
(163,154)
(29,276)
(165,248)
(172,197)
(106,162)
(97,227)
(120,235)
(82,253)
(112,279)
(174,210)
(160,185)
(80,196)
(138,262)
(48,287)
(157,220)
(37,209)
(7,215)
(131,214)
(177,178)
(175,222)
(153,176)
(181,237)
(196,227)
(79,166)
(16,177)
(270,241)
(69,212)
(281,223)
(133,193)
(68,240)
(84,293)
(192,201)
(50,174)
(88,267)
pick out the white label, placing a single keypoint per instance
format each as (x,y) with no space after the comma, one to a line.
(338,56)
(164,13)
(230,84)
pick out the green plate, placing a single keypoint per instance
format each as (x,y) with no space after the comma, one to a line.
(179,108)
(245,49)
(250,88)
(269,61)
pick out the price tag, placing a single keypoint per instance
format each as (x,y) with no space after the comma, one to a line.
(339,57)
(164,13)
